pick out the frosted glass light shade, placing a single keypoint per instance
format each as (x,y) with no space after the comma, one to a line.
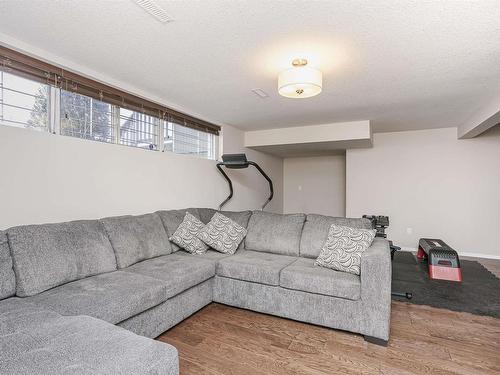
(300,82)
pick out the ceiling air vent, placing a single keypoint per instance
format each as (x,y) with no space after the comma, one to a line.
(260,93)
(152,8)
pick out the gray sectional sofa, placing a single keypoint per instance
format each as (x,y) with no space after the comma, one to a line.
(86,297)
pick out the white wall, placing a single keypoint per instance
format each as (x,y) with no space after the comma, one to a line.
(51,178)
(314,185)
(433,183)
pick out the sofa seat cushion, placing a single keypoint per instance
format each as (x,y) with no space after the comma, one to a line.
(112,297)
(303,275)
(274,233)
(210,255)
(19,314)
(176,272)
(81,345)
(7,278)
(171,220)
(135,238)
(49,343)
(49,255)
(254,266)
(316,229)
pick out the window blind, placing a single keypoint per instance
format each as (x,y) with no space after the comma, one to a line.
(183,140)
(38,70)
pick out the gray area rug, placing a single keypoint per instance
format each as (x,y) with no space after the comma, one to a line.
(478,293)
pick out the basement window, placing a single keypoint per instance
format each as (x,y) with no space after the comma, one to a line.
(87,118)
(183,140)
(40,96)
(138,129)
(29,104)
(23,103)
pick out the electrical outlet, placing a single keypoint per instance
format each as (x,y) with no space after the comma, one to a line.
(409,230)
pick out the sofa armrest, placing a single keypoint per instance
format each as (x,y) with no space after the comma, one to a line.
(376,274)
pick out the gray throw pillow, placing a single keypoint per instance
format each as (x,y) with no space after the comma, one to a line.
(185,235)
(222,234)
(343,248)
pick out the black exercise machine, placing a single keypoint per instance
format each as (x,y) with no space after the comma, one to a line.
(380,223)
(239,161)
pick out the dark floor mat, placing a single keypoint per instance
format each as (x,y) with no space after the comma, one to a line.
(478,293)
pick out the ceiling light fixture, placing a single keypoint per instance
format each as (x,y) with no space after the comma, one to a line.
(300,81)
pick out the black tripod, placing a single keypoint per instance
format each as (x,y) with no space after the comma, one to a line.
(380,223)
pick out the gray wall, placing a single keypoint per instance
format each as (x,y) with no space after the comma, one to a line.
(314,185)
(51,178)
(431,185)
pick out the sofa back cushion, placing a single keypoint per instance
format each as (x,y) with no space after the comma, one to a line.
(172,219)
(49,255)
(206,214)
(239,217)
(316,230)
(7,278)
(274,233)
(136,238)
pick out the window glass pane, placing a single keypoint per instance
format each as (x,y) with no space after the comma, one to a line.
(84,117)
(183,140)
(138,129)
(23,103)
(168,136)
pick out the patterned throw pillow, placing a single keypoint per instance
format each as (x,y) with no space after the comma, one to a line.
(343,248)
(222,234)
(185,235)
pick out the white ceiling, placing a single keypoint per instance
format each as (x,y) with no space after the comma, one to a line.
(402,64)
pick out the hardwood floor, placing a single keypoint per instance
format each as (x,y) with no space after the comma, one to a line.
(223,340)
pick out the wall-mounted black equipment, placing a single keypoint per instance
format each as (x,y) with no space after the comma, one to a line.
(239,161)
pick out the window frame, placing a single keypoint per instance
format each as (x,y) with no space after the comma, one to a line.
(54,126)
